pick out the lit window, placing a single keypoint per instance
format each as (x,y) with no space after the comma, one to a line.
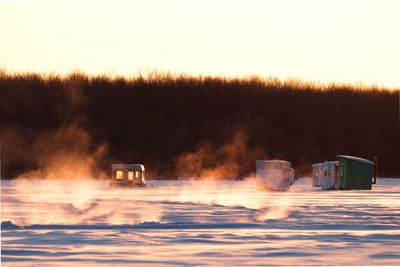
(130,175)
(118,174)
(137,174)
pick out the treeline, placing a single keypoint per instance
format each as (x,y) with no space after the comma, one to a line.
(164,121)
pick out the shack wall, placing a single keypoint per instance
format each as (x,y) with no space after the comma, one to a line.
(355,174)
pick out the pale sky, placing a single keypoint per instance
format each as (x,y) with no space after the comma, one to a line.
(313,40)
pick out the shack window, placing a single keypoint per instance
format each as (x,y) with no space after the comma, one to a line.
(136,174)
(118,174)
(325,174)
(130,175)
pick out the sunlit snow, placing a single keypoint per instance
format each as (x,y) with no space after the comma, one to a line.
(63,222)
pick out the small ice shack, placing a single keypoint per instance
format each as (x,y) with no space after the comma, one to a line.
(327,176)
(316,167)
(274,175)
(128,175)
(356,173)
(347,173)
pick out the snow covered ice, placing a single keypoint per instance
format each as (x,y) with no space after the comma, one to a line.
(64,222)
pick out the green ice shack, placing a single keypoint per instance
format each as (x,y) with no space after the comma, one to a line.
(356,173)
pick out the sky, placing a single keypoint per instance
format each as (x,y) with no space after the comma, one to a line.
(352,41)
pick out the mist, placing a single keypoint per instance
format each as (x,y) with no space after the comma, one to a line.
(224,162)
(93,202)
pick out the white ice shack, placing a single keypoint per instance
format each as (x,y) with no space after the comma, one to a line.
(274,175)
(316,168)
(128,175)
(328,175)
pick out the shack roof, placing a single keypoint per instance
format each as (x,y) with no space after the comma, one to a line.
(127,166)
(272,163)
(334,162)
(356,159)
(316,165)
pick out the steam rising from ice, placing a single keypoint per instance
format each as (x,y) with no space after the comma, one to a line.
(66,154)
(94,202)
(222,162)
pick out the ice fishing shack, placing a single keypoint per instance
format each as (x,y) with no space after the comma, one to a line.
(347,173)
(128,175)
(327,175)
(316,168)
(356,173)
(274,175)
